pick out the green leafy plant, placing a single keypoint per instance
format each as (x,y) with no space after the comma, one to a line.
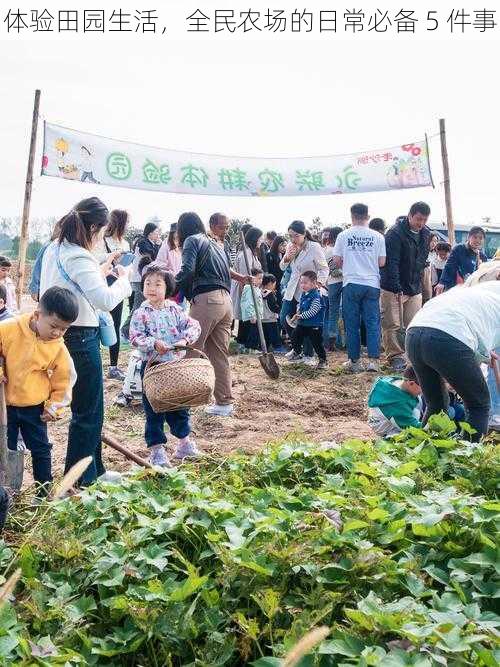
(393,545)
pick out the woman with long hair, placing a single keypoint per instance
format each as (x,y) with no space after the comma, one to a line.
(169,255)
(253,242)
(70,262)
(146,245)
(115,244)
(205,278)
(274,257)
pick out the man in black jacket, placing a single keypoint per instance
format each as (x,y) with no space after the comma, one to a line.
(407,248)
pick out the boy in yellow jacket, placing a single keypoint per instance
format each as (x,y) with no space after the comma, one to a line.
(39,375)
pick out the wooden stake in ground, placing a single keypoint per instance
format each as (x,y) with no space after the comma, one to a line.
(447,187)
(23,236)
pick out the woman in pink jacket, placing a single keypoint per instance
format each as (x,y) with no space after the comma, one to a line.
(170,256)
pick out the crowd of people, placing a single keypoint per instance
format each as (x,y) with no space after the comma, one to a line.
(362,287)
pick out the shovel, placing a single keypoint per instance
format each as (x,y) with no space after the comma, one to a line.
(11,460)
(267,360)
(401,332)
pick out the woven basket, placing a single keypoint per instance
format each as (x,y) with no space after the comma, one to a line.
(186,383)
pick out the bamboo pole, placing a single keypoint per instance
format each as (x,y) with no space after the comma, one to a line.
(23,236)
(447,188)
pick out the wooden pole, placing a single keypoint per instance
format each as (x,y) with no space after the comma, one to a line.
(447,188)
(114,444)
(23,236)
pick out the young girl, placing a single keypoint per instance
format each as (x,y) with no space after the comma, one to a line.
(156,326)
(8,283)
(248,322)
(271,313)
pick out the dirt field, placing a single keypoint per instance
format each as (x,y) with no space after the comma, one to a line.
(327,405)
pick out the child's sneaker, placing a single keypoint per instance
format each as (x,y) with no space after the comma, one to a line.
(187,450)
(353,366)
(322,365)
(158,457)
(309,361)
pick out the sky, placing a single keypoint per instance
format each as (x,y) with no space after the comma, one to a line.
(253,98)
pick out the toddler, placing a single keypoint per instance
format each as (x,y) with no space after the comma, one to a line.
(393,404)
(248,316)
(270,315)
(39,375)
(155,328)
(308,321)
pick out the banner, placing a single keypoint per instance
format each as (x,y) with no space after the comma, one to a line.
(89,158)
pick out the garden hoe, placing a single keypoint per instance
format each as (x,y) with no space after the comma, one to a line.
(267,360)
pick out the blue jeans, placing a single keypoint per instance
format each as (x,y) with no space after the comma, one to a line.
(178,421)
(34,432)
(290,308)
(334,300)
(361,303)
(87,405)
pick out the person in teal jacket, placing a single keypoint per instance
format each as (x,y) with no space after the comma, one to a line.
(393,404)
(248,316)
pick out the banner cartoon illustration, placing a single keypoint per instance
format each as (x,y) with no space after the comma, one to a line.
(89,158)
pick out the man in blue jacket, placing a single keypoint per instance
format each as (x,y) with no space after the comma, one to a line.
(407,248)
(464,259)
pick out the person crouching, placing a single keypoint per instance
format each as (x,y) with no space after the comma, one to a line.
(393,404)
(155,328)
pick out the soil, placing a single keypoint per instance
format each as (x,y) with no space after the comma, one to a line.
(319,405)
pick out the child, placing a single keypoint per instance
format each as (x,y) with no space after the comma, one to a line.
(156,326)
(271,314)
(248,315)
(393,404)
(5,313)
(39,375)
(438,261)
(7,282)
(308,321)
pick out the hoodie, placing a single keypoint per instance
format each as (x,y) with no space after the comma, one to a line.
(247,305)
(390,408)
(37,371)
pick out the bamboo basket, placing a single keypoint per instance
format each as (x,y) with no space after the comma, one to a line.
(187,383)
